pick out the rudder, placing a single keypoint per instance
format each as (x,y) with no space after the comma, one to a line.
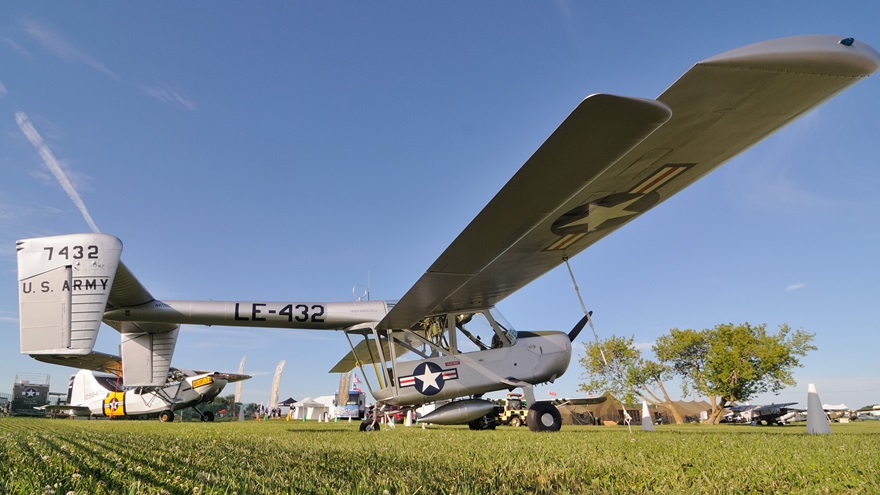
(64,284)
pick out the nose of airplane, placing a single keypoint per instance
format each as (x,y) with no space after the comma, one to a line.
(209,385)
(555,355)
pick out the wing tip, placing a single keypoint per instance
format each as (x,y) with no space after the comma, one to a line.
(818,54)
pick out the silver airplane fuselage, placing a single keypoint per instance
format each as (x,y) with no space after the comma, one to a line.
(534,357)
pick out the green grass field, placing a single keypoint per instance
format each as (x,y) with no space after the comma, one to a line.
(117,457)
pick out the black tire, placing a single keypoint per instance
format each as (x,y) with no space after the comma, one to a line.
(208,416)
(543,416)
(486,422)
(166,416)
(515,422)
(369,425)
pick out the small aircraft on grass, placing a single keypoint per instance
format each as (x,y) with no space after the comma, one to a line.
(611,160)
(769,414)
(103,394)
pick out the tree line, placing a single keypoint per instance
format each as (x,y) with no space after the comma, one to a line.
(728,364)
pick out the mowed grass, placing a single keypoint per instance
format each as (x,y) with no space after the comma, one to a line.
(119,457)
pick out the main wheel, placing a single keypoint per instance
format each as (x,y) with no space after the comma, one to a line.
(166,416)
(369,425)
(543,416)
(208,416)
(486,422)
(515,422)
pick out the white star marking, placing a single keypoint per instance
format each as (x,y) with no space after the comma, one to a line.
(598,214)
(429,379)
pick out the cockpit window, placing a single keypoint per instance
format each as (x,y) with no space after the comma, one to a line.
(481,331)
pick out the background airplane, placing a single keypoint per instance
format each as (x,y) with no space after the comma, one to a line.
(768,414)
(92,394)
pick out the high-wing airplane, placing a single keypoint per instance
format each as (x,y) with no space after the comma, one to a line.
(768,414)
(101,394)
(609,161)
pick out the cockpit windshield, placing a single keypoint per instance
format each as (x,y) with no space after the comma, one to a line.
(487,330)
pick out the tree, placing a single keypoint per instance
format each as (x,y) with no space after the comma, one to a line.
(616,366)
(733,363)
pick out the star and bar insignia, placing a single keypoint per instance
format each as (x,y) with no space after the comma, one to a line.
(612,210)
(428,378)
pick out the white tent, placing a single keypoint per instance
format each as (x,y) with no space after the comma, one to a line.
(310,408)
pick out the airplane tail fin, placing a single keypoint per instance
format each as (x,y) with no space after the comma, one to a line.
(86,388)
(64,283)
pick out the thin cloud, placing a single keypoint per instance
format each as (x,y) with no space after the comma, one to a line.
(49,159)
(3,91)
(11,43)
(62,48)
(794,287)
(167,95)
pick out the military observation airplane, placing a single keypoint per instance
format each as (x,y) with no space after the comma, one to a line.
(101,395)
(609,161)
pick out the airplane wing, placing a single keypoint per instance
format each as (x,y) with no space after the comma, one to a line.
(773,407)
(367,352)
(230,377)
(235,377)
(615,158)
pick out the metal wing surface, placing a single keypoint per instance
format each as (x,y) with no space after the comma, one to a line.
(365,352)
(95,361)
(614,158)
(229,377)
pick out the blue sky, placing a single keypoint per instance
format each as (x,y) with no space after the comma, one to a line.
(291,150)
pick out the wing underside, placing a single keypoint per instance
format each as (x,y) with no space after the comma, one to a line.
(366,352)
(95,361)
(615,158)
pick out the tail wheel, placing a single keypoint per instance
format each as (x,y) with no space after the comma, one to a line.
(208,416)
(369,425)
(543,416)
(166,416)
(515,422)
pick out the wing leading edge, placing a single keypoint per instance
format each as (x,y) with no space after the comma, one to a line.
(615,158)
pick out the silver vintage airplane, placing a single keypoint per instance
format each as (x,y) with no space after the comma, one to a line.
(611,160)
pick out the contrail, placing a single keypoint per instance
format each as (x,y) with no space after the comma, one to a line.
(49,159)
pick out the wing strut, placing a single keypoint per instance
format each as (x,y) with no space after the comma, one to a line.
(577,329)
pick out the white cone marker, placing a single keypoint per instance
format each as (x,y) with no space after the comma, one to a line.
(817,422)
(647,420)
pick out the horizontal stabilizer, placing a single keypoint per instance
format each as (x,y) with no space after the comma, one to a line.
(580,402)
(76,410)
(95,361)
(64,283)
